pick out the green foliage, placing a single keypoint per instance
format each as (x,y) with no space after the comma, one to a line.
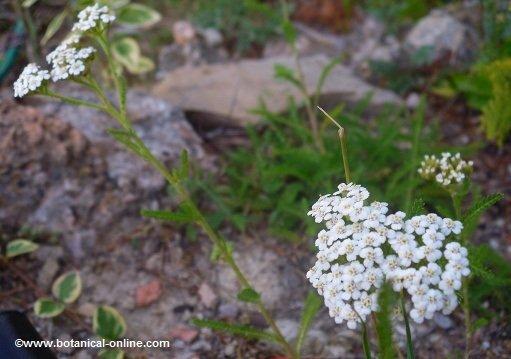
(67,287)
(397,13)
(496,117)
(386,301)
(245,22)
(496,26)
(249,295)
(236,329)
(183,214)
(275,179)
(48,308)
(108,323)
(138,15)
(311,307)
(18,247)
(491,280)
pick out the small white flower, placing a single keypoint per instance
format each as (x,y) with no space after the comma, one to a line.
(93,16)
(30,79)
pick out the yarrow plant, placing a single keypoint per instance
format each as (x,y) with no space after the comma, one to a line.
(446,170)
(71,60)
(364,245)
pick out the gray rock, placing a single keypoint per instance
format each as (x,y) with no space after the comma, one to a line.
(228,311)
(442,37)
(232,90)
(443,321)
(274,279)
(47,273)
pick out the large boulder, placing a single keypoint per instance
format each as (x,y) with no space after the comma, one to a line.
(233,90)
(62,174)
(442,38)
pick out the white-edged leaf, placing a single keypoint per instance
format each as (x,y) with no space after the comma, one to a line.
(28,3)
(67,287)
(138,15)
(126,51)
(108,323)
(48,308)
(143,66)
(20,246)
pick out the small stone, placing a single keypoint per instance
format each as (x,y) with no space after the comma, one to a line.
(207,296)
(83,355)
(212,37)
(228,311)
(230,349)
(47,273)
(68,349)
(443,321)
(148,293)
(87,309)
(183,32)
(184,333)
(413,100)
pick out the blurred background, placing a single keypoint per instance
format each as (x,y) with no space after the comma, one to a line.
(236,83)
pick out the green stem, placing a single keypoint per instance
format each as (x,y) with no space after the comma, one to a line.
(72,100)
(456,203)
(365,341)
(409,342)
(344,147)
(201,221)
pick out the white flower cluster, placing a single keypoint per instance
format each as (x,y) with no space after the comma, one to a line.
(30,79)
(446,170)
(92,16)
(67,59)
(363,245)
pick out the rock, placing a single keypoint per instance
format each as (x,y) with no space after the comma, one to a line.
(183,32)
(443,38)
(277,281)
(228,311)
(184,333)
(61,173)
(148,293)
(207,296)
(87,309)
(47,273)
(413,100)
(443,321)
(231,90)
(289,328)
(212,37)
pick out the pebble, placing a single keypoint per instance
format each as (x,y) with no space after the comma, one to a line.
(184,333)
(443,321)
(228,311)
(148,293)
(207,296)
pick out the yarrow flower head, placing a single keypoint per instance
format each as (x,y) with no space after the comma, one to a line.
(446,170)
(30,79)
(68,60)
(363,246)
(93,16)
